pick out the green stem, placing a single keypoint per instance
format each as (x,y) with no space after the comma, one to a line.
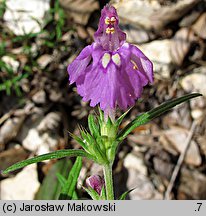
(108,181)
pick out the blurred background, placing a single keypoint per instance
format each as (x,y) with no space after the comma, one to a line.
(39,38)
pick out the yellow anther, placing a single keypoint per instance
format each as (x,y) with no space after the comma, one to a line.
(107,20)
(110,30)
(135,67)
(110,21)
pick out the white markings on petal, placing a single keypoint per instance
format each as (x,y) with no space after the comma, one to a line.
(116,59)
(106,59)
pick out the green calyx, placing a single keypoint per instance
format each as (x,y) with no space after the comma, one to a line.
(100,141)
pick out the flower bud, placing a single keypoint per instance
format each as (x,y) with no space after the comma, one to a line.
(96,182)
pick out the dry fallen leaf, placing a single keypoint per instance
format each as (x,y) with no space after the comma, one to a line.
(181,44)
(7,157)
(79,10)
(199,26)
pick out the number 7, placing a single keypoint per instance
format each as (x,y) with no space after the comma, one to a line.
(200,204)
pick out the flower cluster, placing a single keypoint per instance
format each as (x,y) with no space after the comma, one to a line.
(110,72)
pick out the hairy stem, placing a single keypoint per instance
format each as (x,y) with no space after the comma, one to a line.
(108,181)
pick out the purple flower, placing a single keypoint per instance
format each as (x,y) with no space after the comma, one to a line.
(96,183)
(110,72)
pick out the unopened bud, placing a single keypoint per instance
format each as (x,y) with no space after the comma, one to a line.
(96,182)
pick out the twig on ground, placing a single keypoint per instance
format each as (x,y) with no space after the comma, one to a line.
(179,162)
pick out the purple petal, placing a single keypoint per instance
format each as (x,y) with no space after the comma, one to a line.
(78,66)
(144,65)
(95,182)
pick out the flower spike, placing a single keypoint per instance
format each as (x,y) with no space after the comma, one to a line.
(110,72)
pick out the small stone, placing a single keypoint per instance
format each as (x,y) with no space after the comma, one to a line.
(79,10)
(10,129)
(134,162)
(32,140)
(40,143)
(194,82)
(144,189)
(11,62)
(44,60)
(177,137)
(197,114)
(37,135)
(137,12)
(21,187)
(39,97)
(50,122)
(158,52)
(55,95)
(25,13)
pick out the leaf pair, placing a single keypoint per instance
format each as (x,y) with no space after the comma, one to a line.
(140,120)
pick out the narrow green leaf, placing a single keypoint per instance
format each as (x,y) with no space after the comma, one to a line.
(75,196)
(62,180)
(101,116)
(50,189)
(69,186)
(124,195)
(92,193)
(103,194)
(148,116)
(93,127)
(80,141)
(120,119)
(49,156)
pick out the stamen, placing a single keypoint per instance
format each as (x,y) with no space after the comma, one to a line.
(116,59)
(110,21)
(110,30)
(107,20)
(135,67)
(106,59)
